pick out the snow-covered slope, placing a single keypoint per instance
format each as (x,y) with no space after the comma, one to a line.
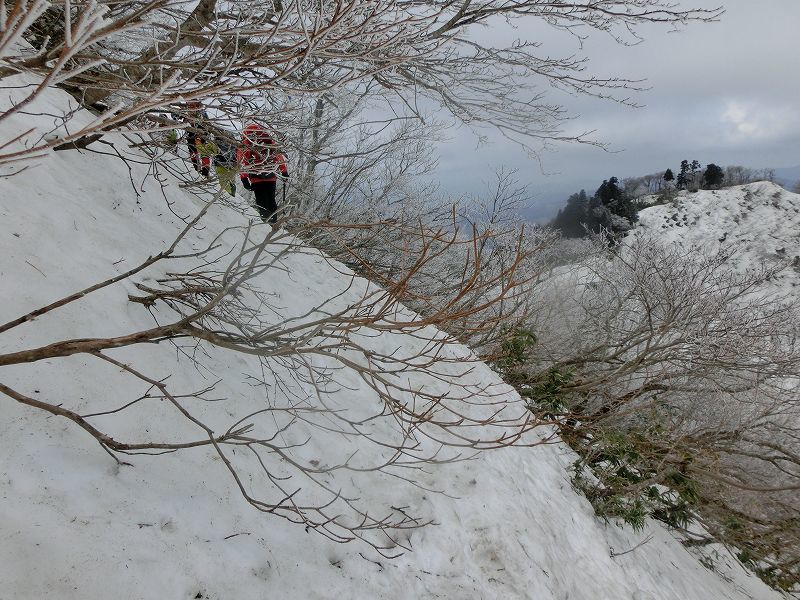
(74,524)
(761,220)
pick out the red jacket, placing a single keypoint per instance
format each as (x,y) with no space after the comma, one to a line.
(259,159)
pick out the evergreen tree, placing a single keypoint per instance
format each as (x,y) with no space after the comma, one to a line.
(571,219)
(713,176)
(609,209)
(683,175)
(695,168)
(612,210)
(609,191)
(669,175)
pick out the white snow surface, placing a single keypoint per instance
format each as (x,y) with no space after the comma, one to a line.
(74,524)
(760,220)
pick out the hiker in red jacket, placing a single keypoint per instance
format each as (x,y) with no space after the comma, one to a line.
(260,163)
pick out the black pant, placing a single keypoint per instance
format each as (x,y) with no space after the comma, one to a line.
(265,199)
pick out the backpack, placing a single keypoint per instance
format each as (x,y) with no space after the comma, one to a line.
(226,154)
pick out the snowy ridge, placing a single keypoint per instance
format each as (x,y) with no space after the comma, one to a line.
(73,524)
(762,220)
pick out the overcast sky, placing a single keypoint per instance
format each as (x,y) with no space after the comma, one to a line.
(726,92)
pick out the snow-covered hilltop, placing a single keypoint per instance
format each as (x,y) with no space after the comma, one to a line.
(76,524)
(762,220)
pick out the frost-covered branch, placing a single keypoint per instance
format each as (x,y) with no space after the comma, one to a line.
(129,59)
(361,337)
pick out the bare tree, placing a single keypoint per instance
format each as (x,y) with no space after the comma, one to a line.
(738,175)
(677,380)
(129,59)
(212,298)
(305,69)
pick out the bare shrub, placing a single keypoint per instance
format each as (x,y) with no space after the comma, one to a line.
(211,298)
(676,379)
(129,59)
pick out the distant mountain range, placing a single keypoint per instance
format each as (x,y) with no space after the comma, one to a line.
(788,176)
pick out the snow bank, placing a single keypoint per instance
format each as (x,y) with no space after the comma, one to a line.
(762,220)
(74,524)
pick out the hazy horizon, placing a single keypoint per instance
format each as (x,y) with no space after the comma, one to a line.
(723,92)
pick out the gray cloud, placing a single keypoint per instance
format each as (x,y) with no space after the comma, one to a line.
(726,92)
